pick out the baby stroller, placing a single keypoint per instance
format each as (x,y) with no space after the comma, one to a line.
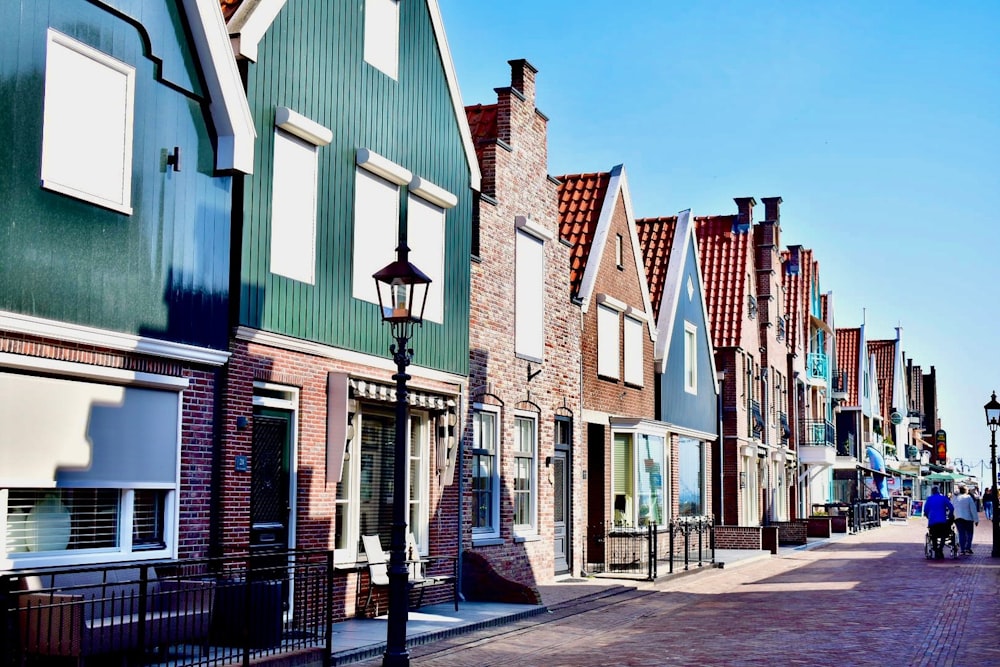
(950,541)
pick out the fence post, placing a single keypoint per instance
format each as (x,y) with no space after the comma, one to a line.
(673,527)
(328,607)
(143,604)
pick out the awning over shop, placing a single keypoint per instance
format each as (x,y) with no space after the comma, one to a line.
(902,473)
(945,477)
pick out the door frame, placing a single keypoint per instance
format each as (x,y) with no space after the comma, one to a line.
(287,402)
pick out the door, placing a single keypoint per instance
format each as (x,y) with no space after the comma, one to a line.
(561,511)
(270,502)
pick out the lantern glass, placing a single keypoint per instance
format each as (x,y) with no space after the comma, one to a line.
(992,413)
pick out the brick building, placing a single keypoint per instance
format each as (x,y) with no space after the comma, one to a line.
(522,463)
(627,448)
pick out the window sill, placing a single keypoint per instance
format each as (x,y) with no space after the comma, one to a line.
(487,541)
(531,537)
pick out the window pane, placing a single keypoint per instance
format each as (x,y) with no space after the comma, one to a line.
(62,519)
(147,519)
(482,491)
(376,482)
(690,471)
(621,490)
(425,236)
(650,480)
(633,351)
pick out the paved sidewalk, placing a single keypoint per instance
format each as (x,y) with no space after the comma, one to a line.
(870,598)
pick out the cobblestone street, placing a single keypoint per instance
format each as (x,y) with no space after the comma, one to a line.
(866,599)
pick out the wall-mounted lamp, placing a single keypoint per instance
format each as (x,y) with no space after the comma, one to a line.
(743,480)
(242,422)
(174,159)
(548,461)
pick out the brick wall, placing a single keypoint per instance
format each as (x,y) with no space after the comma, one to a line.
(738,537)
(315,511)
(515,177)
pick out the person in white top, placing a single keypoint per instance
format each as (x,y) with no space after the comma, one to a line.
(966,517)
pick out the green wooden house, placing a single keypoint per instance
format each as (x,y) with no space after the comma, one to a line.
(363,145)
(121,126)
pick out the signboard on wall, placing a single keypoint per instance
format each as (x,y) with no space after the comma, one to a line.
(941,447)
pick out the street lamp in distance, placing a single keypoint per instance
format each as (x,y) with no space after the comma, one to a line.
(993,422)
(402,295)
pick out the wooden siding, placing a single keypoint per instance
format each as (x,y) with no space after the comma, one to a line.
(160,272)
(677,406)
(311,60)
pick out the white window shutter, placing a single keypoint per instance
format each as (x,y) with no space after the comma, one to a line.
(608,342)
(293,208)
(376,230)
(425,237)
(87,131)
(529,297)
(633,351)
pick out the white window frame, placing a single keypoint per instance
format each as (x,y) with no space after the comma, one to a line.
(381,36)
(480,409)
(690,358)
(529,294)
(608,342)
(347,553)
(124,550)
(526,529)
(634,354)
(87,128)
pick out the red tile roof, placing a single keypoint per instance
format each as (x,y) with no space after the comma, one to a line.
(848,347)
(656,237)
(229,7)
(724,256)
(483,124)
(885,368)
(580,199)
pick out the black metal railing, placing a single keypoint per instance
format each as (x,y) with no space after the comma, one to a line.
(653,551)
(818,432)
(219,611)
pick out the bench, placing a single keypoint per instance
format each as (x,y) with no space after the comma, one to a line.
(419,579)
(85,613)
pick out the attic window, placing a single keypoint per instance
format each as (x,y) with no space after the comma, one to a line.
(751,307)
(618,252)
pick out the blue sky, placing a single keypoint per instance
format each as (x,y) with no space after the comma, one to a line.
(877,123)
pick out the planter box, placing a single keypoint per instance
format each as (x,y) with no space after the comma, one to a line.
(819,526)
(838,524)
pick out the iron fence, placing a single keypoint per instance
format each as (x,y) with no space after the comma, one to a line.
(219,611)
(652,551)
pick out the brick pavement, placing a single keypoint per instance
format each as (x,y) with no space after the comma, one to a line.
(867,599)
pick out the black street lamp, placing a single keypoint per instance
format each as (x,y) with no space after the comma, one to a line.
(993,421)
(402,295)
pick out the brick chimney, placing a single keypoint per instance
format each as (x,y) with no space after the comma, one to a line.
(744,207)
(772,209)
(522,79)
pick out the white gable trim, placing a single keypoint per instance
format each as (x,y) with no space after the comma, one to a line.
(673,285)
(249,24)
(229,108)
(617,186)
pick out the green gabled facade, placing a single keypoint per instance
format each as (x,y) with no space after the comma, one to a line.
(161,271)
(311,60)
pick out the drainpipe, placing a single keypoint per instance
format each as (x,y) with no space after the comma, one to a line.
(717,490)
(460,465)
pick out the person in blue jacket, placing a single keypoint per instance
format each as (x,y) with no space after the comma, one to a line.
(940,513)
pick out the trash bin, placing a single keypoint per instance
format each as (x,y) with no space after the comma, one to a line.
(247,613)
